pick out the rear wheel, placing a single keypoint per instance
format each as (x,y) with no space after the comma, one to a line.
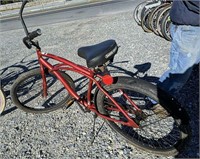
(27,92)
(159,131)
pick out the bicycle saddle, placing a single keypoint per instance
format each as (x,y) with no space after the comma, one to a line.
(99,54)
(142,68)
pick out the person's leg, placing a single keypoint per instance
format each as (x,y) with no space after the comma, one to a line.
(174,82)
(184,53)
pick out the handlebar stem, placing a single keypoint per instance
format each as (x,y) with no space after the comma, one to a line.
(21,17)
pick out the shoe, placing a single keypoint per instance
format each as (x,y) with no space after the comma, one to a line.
(160,111)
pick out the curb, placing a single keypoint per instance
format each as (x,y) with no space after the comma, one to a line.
(51,6)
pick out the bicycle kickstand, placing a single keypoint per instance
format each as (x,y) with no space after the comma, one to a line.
(93,129)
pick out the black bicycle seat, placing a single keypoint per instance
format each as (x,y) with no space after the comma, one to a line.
(99,54)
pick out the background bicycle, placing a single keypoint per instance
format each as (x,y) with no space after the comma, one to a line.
(153,16)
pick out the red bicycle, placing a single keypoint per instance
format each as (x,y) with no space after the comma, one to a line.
(124,102)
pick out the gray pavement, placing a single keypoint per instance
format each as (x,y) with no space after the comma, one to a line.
(44,7)
(68,14)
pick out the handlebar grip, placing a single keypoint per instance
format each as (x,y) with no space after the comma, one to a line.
(28,39)
(34,34)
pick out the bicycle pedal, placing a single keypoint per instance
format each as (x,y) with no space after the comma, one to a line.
(69,103)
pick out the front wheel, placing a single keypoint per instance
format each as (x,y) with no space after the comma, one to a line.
(27,92)
(2,101)
(159,131)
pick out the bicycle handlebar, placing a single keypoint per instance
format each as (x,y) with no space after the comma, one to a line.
(28,39)
(29,36)
(34,34)
(21,17)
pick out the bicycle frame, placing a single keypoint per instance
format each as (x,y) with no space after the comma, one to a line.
(90,74)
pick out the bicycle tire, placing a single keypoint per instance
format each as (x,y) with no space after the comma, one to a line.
(26,92)
(144,21)
(137,12)
(142,138)
(148,8)
(165,26)
(159,17)
(155,19)
(153,15)
(2,101)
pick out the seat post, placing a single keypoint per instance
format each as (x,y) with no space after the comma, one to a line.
(104,70)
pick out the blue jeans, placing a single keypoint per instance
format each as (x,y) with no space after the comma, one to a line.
(184,54)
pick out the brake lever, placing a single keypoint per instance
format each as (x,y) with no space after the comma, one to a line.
(36,44)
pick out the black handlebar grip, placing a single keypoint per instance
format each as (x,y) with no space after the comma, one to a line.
(27,42)
(34,34)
